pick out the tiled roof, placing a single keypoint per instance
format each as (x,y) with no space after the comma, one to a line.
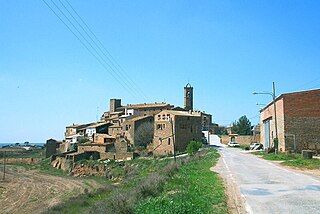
(181,113)
(138,118)
(95,125)
(145,105)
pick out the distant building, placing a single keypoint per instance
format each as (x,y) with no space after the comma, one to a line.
(175,129)
(298,121)
(101,128)
(76,129)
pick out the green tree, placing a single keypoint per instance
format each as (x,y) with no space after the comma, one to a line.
(193,147)
(242,126)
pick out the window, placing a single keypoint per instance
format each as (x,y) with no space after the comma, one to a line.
(190,128)
(169,141)
(159,126)
(127,127)
(163,126)
(159,116)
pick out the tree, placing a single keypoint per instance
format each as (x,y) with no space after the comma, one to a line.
(242,126)
(193,147)
(144,134)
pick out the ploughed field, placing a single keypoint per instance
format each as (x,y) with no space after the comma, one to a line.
(30,191)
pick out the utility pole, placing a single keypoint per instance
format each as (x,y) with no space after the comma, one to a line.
(273,94)
(275,118)
(173,143)
(4,165)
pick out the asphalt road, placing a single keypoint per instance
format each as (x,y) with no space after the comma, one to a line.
(269,188)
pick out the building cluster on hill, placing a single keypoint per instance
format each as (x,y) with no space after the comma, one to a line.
(156,128)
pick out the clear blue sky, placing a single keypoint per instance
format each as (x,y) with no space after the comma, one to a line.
(226,49)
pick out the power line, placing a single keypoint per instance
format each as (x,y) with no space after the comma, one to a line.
(120,75)
(116,77)
(110,57)
(96,55)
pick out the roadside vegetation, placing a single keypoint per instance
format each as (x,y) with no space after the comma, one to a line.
(156,186)
(193,189)
(291,159)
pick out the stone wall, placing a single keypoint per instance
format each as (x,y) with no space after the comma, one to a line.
(242,140)
(79,169)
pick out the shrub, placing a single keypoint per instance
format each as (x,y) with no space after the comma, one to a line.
(193,147)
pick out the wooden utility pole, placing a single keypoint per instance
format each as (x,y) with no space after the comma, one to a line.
(173,143)
(4,165)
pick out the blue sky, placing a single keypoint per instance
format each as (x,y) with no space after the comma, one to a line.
(226,49)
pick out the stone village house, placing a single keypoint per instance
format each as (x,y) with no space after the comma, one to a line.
(174,130)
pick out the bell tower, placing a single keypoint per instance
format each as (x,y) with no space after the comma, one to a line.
(188,97)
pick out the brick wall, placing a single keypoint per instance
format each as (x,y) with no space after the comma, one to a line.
(302,120)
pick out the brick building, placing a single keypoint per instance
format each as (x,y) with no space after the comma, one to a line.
(298,121)
(175,129)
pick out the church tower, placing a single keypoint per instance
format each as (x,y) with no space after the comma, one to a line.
(188,97)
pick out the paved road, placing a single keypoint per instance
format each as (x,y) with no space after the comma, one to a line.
(268,188)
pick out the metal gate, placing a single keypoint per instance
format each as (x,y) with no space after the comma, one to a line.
(267,133)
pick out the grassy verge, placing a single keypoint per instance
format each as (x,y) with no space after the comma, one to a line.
(156,186)
(117,195)
(294,160)
(193,189)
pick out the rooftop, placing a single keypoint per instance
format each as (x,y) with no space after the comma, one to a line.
(145,105)
(95,125)
(181,113)
(138,118)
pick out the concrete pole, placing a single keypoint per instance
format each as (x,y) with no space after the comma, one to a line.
(275,113)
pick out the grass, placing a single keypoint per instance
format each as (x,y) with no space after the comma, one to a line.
(44,166)
(193,189)
(292,159)
(128,175)
(155,186)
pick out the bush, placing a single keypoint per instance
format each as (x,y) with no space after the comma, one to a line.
(193,147)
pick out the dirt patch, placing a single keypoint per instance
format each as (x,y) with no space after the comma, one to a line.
(235,202)
(33,192)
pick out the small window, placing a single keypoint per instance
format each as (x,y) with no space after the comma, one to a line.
(163,126)
(169,141)
(188,118)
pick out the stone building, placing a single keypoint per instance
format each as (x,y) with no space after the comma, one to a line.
(118,149)
(175,130)
(139,130)
(101,128)
(298,121)
(76,129)
(118,111)
(103,138)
